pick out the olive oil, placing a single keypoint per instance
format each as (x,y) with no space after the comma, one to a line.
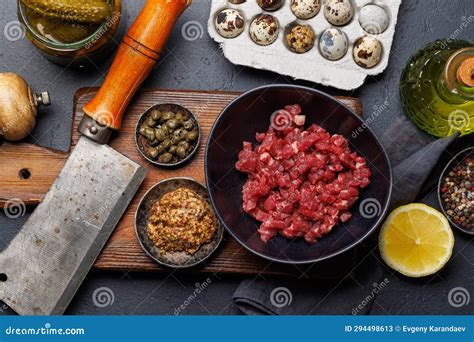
(437,88)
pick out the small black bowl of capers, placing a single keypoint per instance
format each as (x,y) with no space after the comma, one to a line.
(167,135)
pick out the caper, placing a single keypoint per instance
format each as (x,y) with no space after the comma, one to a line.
(156,115)
(188,124)
(150,134)
(150,122)
(166,144)
(192,136)
(173,149)
(179,116)
(177,134)
(167,116)
(142,130)
(181,152)
(165,129)
(172,123)
(160,149)
(184,144)
(147,130)
(152,152)
(183,134)
(159,134)
(165,158)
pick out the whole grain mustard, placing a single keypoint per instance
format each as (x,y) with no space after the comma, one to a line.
(181,221)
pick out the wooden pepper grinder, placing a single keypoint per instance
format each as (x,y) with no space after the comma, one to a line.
(137,55)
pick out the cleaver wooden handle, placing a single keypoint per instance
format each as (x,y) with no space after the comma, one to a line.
(137,55)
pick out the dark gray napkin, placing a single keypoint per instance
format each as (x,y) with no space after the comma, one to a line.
(410,175)
(306,297)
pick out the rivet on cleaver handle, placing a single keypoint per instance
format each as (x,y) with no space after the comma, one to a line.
(49,258)
(137,55)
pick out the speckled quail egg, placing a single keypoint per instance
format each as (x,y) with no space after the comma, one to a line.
(339,12)
(367,52)
(270,5)
(300,38)
(373,19)
(264,29)
(229,23)
(333,44)
(305,9)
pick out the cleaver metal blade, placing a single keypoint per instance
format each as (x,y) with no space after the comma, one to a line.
(49,258)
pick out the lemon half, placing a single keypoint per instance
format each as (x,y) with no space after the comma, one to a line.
(416,240)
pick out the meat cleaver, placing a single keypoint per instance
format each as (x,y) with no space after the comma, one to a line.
(47,261)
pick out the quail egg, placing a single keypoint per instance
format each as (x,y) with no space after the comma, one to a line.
(229,23)
(339,12)
(300,38)
(367,52)
(333,44)
(305,9)
(270,5)
(264,29)
(373,19)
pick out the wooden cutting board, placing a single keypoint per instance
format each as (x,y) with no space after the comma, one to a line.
(27,172)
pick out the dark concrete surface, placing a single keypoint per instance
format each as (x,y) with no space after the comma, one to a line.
(199,64)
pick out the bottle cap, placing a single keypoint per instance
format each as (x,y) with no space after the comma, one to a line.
(465,72)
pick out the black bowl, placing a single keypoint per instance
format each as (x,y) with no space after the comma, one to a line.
(178,259)
(141,142)
(250,113)
(456,160)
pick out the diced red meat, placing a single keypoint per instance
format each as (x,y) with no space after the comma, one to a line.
(299,120)
(301,183)
(247,159)
(345,216)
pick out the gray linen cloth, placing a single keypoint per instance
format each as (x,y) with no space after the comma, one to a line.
(354,293)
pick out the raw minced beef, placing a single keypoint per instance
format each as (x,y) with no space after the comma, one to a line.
(301,183)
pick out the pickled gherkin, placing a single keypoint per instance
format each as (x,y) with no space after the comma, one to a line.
(60,31)
(78,11)
(66,21)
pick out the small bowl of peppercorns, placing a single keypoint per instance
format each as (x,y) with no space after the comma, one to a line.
(456,191)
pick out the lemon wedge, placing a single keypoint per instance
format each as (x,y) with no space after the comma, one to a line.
(416,240)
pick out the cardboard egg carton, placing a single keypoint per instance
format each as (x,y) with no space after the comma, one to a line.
(310,66)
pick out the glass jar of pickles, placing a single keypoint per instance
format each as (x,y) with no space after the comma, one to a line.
(72,32)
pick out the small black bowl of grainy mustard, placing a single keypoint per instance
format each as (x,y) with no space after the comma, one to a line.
(176,224)
(456,191)
(167,135)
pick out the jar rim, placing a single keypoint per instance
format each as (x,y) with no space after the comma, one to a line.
(68,46)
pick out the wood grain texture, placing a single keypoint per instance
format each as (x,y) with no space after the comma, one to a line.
(123,251)
(27,172)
